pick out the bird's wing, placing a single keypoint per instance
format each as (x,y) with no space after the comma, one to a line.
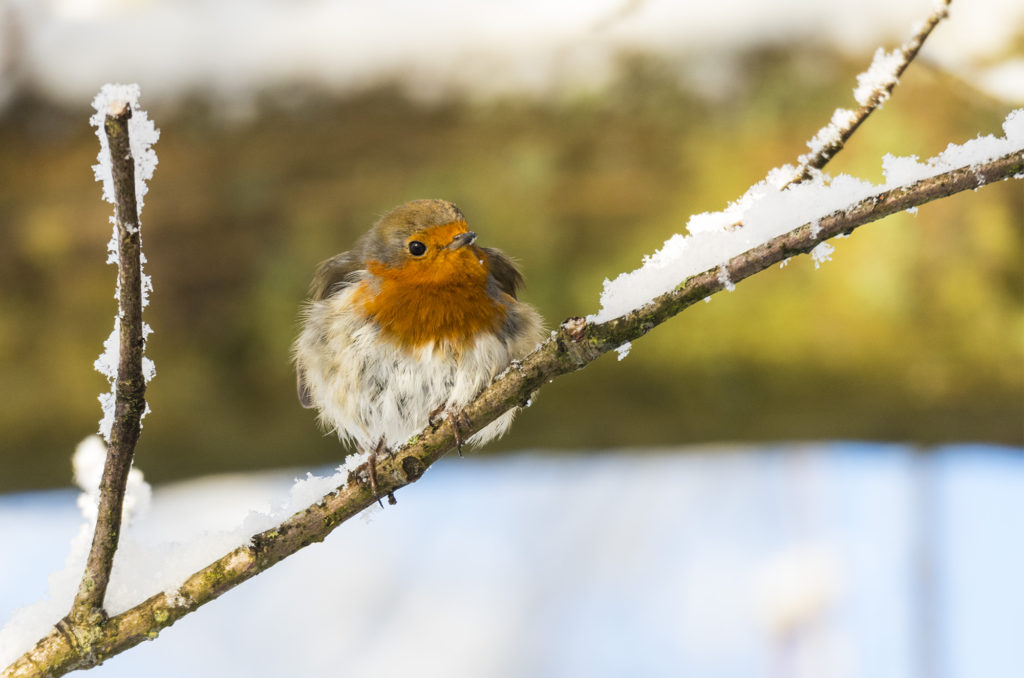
(305,397)
(332,275)
(504,272)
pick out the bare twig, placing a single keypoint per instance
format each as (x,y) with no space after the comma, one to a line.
(130,385)
(576,344)
(831,138)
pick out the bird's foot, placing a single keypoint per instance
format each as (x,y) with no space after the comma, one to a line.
(371,469)
(457,419)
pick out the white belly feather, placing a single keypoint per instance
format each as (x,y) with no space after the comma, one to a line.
(368,388)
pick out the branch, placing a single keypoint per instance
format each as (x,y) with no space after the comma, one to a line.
(576,344)
(130,385)
(831,138)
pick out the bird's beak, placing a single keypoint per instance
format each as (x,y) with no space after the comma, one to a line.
(461,240)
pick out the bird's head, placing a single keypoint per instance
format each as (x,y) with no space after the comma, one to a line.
(429,283)
(425,243)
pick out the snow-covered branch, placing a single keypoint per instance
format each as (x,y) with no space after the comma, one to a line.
(123,360)
(873,89)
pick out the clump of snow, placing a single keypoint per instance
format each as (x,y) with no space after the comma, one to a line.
(881,76)
(623,350)
(822,253)
(723,277)
(901,171)
(87,465)
(764,212)
(1013,126)
(106,364)
(831,134)
(142,135)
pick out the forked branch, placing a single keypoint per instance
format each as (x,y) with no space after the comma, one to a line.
(831,138)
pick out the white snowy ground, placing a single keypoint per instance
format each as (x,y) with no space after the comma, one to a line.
(833,560)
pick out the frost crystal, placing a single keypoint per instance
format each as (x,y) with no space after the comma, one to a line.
(623,350)
(87,463)
(879,78)
(142,136)
(830,134)
(822,253)
(723,277)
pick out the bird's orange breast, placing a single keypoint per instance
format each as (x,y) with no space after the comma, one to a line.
(432,302)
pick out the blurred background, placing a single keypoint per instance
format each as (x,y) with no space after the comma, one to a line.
(576,136)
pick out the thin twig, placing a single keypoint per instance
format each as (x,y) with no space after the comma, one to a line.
(575,345)
(831,138)
(130,386)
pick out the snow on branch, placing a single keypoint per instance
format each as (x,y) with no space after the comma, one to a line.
(125,162)
(116,102)
(873,89)
(764,213)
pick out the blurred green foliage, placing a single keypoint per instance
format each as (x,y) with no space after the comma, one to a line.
(913,331)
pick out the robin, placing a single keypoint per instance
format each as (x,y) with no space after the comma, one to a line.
(411,323)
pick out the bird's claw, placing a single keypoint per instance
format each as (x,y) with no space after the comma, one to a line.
(371,468)
(455,417)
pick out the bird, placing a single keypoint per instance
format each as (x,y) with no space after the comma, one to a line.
(411,323)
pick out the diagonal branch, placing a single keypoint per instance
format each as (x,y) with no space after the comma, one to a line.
(831,138)
(130,386)
(575,345)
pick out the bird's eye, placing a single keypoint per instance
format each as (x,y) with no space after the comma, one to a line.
(416,248)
